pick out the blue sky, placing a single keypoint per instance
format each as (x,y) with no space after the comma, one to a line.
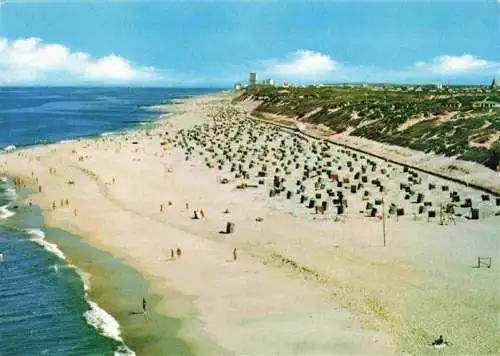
(215,43)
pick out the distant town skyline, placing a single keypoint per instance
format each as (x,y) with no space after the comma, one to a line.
(217,43)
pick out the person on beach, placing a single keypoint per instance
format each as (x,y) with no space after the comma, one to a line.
(161,208)
(235,254)
(179,252)
(54,204)
(172,255)
(74,212)
(187,205)
(440,342)
(144,305)
(195,215)
(202,213)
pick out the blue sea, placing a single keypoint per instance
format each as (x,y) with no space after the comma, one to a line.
(39,114)
(46,306)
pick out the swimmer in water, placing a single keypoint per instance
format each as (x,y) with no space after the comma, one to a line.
(144,305)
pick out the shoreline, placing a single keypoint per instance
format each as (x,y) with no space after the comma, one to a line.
(28,222)
(112,289)
(124,328)
(136,232)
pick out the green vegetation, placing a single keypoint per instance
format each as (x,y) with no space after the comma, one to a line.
(422,118)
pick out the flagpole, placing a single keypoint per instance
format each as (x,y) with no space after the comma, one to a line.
(383,219)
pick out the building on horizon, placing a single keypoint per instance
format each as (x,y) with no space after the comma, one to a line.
(252,79)
(268,81)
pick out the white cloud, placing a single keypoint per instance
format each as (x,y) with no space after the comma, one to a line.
(30,60)
(302,64)
(448,65)
(309,66)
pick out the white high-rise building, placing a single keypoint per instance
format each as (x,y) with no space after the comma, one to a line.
(252,79)
(268,81)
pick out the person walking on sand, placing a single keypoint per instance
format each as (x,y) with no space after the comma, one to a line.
(172,255)
(235,254)
(202,213)
(161,208)
(187,205)
(144,305)
(179,252)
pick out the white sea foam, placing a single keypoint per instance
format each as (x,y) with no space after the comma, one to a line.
(157,108)
(124,351)
(84,276)
(9,148)
(104,134)
(102,321)
(10,193)
(3,179)
(97,317)
(39,237)
(5,213)
(106,325)
(67,141)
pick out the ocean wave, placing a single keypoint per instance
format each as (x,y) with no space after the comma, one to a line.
(38,237)
(104,134)
(84,276)
(10,193)
(156,108)
(5,213)
(9,148)
(97,317)
(103,322)
(3,179)
(68,141)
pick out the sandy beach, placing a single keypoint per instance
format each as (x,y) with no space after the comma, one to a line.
(293,277)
